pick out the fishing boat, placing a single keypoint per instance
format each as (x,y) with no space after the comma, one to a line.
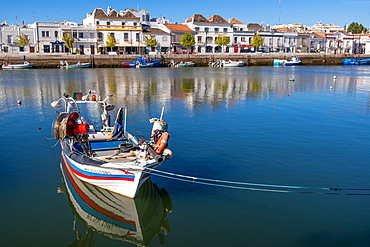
(25,65)
(142,59)
(135,221)
(77,65)
(143,65)
(181,64)
(355,61)
(230,63)
(107,156)
(294,61)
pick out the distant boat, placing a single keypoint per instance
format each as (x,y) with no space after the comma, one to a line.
(181,64)
(77,65)
(144,65)
(294,61)
(355,61)
(142,59)
(231,63)
(25,65)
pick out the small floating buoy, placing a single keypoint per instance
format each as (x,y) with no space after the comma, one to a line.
(291,79)
(287,95)
(335,77)
(331,87)
(19,102)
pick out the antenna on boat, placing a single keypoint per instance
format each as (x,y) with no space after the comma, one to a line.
(124,124)
(162,113)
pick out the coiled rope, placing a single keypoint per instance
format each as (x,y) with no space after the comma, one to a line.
(257,186)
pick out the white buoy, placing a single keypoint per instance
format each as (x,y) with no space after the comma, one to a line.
(335,77)
(331,87)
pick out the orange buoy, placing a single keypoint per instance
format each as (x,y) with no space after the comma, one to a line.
(162,143)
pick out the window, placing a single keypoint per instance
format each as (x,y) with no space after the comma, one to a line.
(216,29)
(138,37)
(10,39)
(199,39)
(123,23)
(80,35)
(46,48)
(97,22)
(108,23)
(74,34)
(242,39)
(209,39)
(206,29)
(92,35)
(56,34)
(125,37)
(225,30)
(100,36)
(45,34)
(197,29)
(164,38)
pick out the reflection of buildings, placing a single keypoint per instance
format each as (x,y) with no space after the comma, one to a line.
(111,215)
(137,88)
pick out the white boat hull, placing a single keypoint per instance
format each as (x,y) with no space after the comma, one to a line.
(26,65)
(125,179)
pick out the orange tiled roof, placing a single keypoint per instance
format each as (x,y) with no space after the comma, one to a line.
(217,19)
(234,21)
(178,27)
(197,18)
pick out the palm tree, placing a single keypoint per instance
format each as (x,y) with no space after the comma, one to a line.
(68,39)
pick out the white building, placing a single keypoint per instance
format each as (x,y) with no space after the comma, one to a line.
(125,26)
(207,30)
(9,35)
(49,37)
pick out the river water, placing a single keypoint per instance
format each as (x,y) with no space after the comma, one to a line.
(294,126)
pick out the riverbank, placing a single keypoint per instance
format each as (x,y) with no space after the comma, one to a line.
(114,61)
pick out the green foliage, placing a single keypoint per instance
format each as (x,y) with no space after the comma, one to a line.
(187,40)
(150,40)
(222,40)
(23,40)
(356,28)
(111,41)
(257,41)
(68,39)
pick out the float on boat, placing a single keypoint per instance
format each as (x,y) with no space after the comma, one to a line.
(107,156)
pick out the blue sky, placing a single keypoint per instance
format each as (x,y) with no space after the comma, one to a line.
(310,12)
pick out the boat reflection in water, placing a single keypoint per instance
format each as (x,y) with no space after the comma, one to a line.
(115,216)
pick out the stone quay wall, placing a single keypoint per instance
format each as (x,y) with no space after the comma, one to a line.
(114,61)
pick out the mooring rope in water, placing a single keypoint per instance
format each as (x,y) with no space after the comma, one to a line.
(254,186)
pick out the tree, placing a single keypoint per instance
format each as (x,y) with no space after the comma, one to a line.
(68,39)
(222,40)
(356,28)
(150,41)
(187,40)
(23,40)
(257,41)
(111,41)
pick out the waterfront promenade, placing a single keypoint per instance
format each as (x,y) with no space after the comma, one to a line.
(114,61)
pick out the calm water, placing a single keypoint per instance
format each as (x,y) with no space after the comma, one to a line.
(250,124)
